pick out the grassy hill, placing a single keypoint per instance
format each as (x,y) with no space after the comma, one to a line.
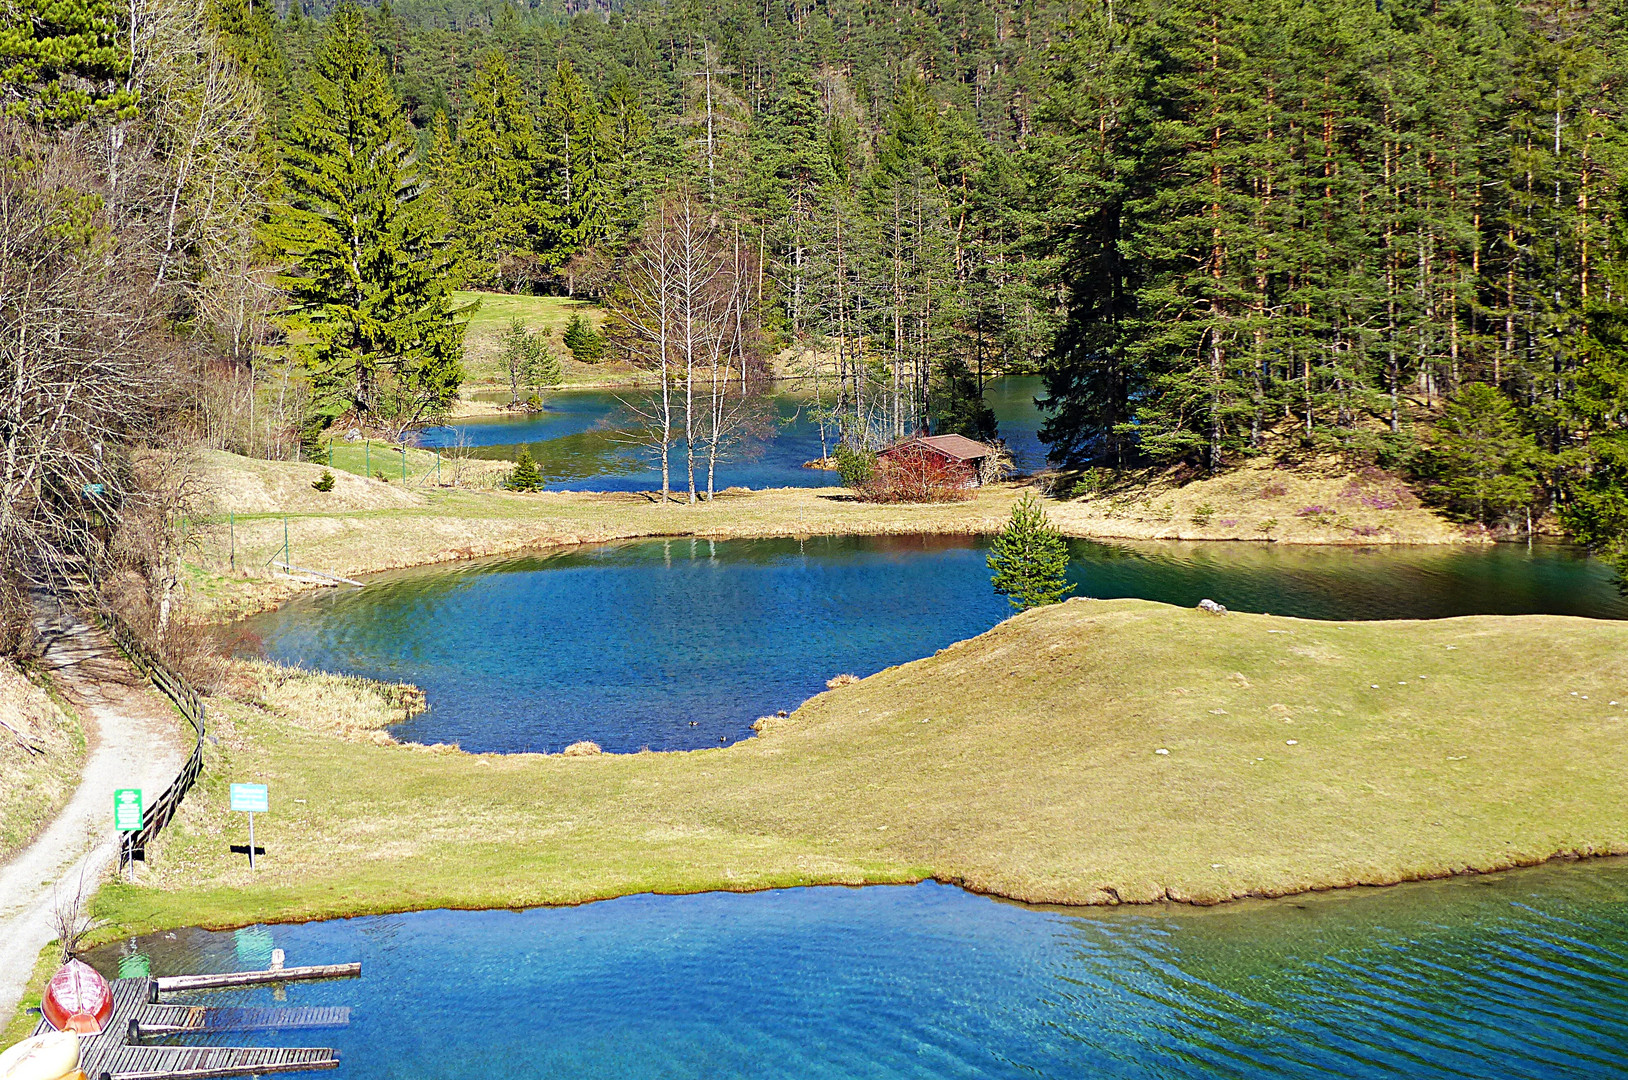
(547,314)
(1093,752)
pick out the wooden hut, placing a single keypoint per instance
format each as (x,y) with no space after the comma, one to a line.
(953,452)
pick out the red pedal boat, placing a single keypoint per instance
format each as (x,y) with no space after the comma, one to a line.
(77,999)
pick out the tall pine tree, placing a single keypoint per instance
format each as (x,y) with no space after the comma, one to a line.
(368,273)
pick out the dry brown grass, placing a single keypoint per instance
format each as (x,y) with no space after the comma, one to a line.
(344,706)
(584,748)
(846,679)
(1317,502)
(1024,762)
(252,486)
(42,749)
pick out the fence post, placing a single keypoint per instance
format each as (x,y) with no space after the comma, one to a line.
(286,559)
(231,533)
(367,457)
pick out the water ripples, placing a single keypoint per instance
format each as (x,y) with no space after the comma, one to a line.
(1515,976)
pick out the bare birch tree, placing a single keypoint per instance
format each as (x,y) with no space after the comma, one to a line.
(642,324)
(682,314)
(125,255)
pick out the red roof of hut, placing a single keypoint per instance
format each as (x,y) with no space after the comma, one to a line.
(957,448)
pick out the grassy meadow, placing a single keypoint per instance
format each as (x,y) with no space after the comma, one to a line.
(547,314)
(365,524)
(1093,752)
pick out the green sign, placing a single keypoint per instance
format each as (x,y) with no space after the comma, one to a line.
(127,810)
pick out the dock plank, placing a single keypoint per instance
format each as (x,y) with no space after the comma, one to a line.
(156,1020)
(204,1062)
(110,1056)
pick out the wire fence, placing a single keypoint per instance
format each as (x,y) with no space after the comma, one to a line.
(411,466)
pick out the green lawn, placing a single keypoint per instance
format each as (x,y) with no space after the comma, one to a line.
(549,314)
(384,460)
(1092,752)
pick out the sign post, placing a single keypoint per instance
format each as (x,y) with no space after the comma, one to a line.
(127,818)
(251,799)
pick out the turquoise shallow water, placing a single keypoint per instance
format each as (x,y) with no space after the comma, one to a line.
(1514,976)
(628,644)
(575,443)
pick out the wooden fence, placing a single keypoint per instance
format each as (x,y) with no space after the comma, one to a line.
(133,845)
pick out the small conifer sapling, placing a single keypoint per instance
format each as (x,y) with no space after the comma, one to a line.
(1030,558)
(526,475)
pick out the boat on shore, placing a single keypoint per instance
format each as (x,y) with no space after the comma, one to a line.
(77,999)
(51,1056)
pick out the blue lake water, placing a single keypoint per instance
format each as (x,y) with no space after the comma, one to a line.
(1519,976)
(576,444)
(677,644)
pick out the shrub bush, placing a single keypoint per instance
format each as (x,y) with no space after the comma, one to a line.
(856,466)
(325,482)
(915,476)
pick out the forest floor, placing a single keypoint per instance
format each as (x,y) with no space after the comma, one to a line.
(1094,752)
(365,525)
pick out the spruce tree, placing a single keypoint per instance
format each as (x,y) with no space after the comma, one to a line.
(1481,464)
(572,138)
(585,343)
(498,159)
(526,476)
(543,367)
(1597,511)
(369,269)
(444,178)
(1030,558)
(63,61)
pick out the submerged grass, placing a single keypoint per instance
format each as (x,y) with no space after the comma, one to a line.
(1093,752)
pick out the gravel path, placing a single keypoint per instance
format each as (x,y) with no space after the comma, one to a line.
(135,740)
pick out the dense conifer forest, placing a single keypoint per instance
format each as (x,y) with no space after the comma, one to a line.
(1216,228)
(1373,232)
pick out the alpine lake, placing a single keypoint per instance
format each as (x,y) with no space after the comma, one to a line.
(1512,976)
(679,644)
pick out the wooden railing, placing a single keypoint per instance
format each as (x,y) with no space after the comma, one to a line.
(133,845)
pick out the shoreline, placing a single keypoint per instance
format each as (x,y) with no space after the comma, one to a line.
(23,1021)
(1165,901)
(302,585)
(366,526)
(1039,804)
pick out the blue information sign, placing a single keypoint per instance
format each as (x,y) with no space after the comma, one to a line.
(251,797)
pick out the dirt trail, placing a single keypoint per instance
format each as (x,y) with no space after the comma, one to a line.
(135,740)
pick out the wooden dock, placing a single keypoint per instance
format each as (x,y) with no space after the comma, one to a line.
(153,1021)
(119,1054)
